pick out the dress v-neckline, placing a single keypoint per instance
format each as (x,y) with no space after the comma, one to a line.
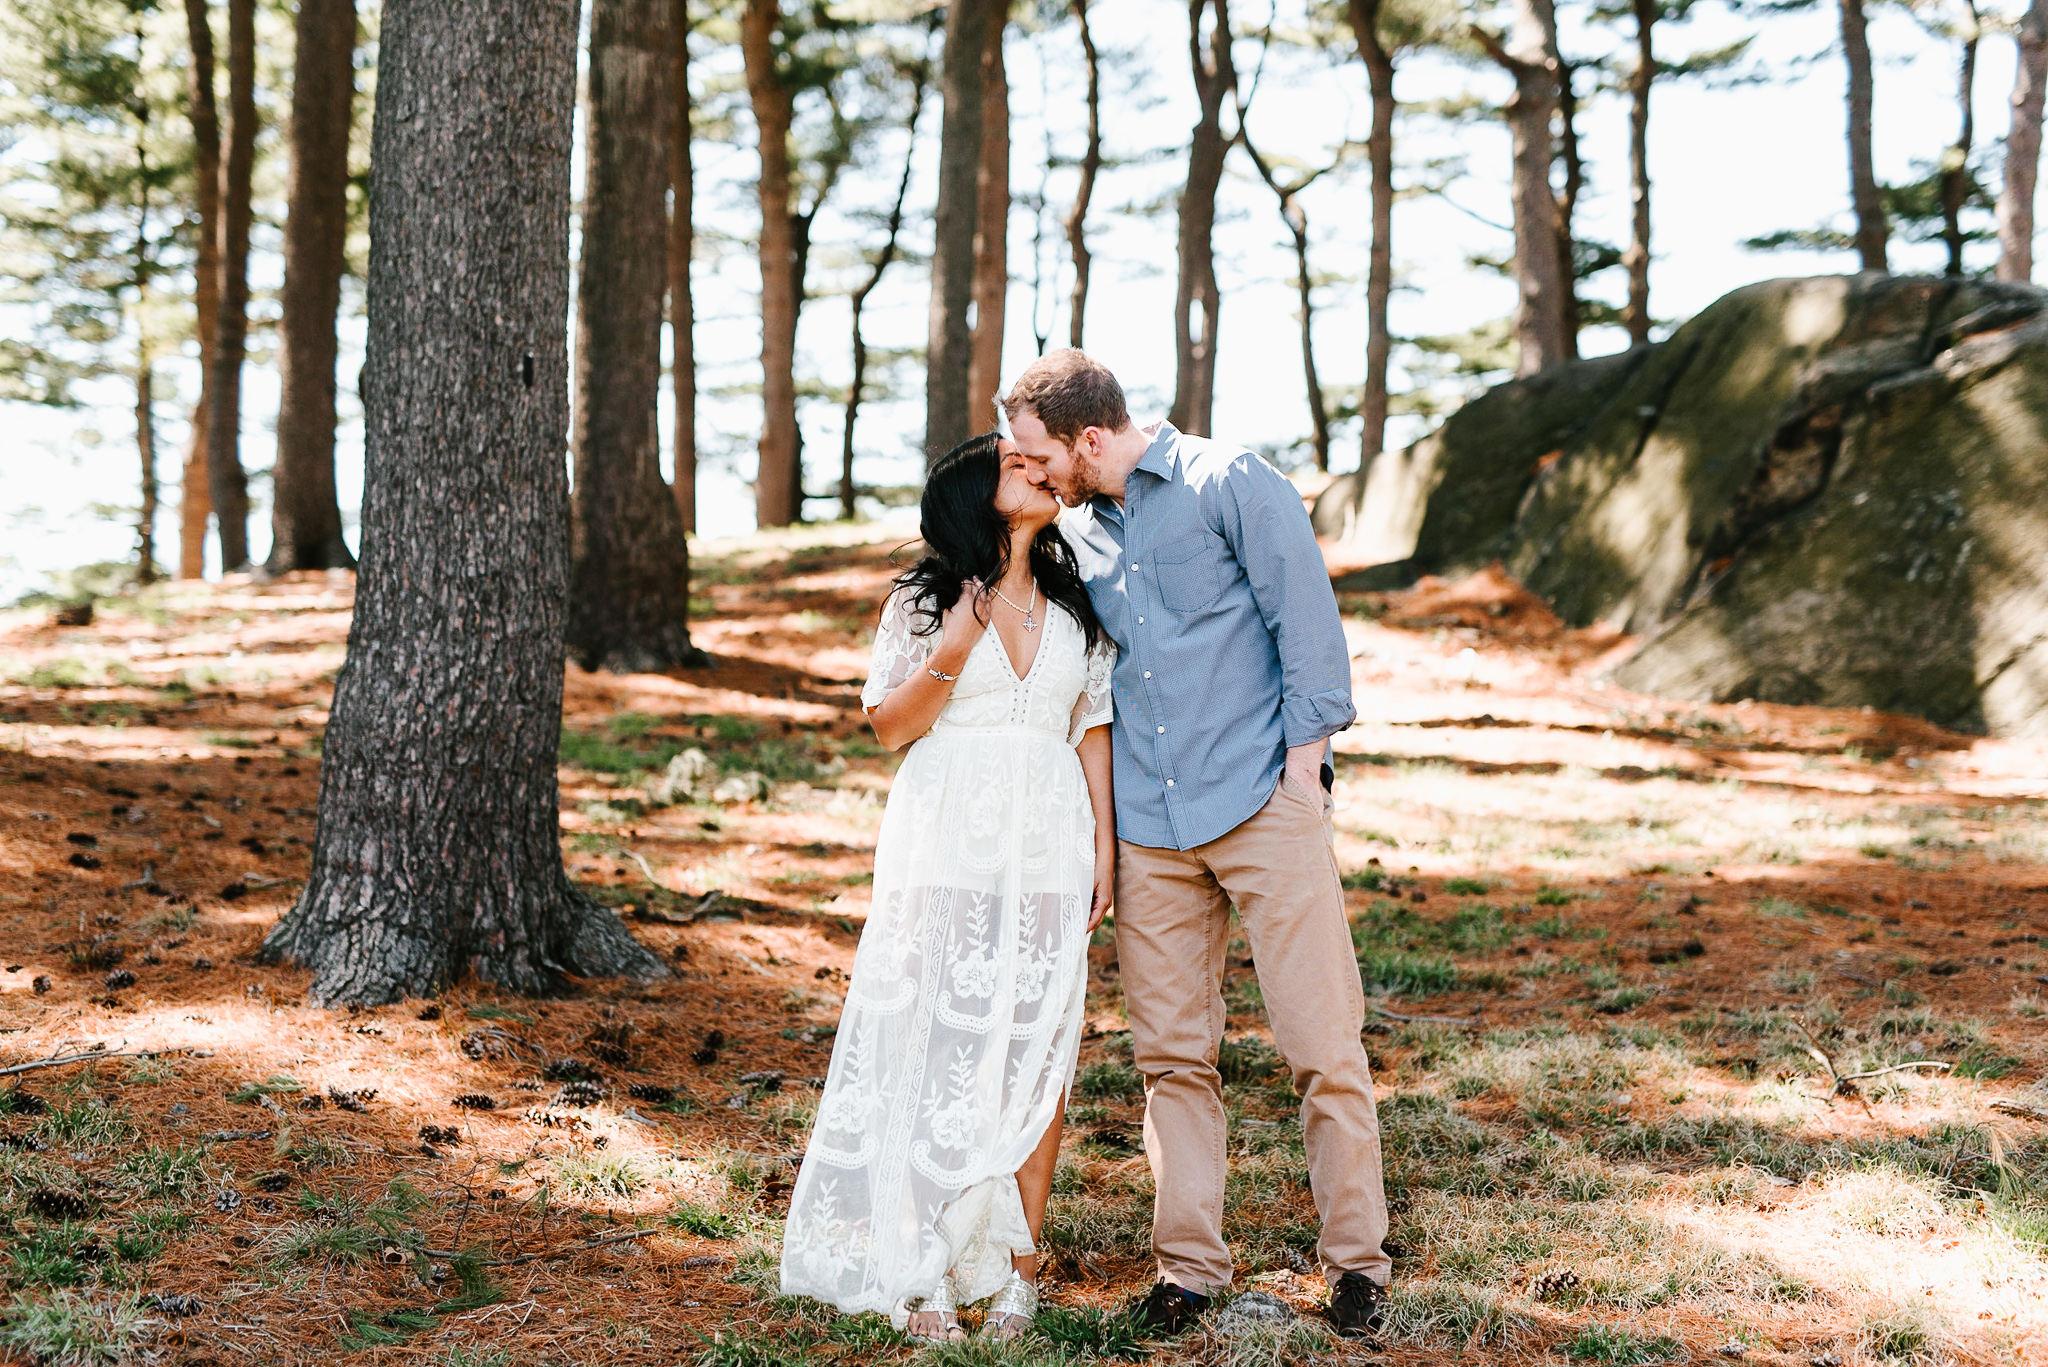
(1037,650)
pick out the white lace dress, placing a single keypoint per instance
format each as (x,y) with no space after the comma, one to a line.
(964,1011)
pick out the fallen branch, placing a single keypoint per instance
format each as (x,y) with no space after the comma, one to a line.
(2019,1108)
(1471,1023)
(59,1060)
(1895,1068)
(1859,978)
(569,1252)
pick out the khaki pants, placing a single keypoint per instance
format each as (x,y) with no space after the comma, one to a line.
(1172,926)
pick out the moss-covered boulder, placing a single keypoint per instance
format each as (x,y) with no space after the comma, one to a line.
(1830,490)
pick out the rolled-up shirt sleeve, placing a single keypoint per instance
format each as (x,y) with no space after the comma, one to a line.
(1266,525)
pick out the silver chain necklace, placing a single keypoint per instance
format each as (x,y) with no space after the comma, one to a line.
(1030,613)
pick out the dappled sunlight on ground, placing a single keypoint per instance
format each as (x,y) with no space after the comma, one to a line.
(1619,951)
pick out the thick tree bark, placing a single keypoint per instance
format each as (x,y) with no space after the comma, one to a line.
(1091,166)
(778,490)
(991,235)
(1379,278)
(1637,258)
(226,482)
(629,575)
(1568,203)
(1872,231)
(195,502)
(437,850)
(949,343)
(305,514)
(1195,303)
(1955,163)
(2023,147)
(682,248)
(855,391)
(1540,301)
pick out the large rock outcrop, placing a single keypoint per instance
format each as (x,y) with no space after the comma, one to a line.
(1816,491)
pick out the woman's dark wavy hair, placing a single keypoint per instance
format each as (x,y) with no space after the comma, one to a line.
(966,538)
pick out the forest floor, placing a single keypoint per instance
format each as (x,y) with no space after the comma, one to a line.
(1616,947)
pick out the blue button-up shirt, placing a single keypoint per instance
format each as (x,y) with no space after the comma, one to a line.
(1229,646)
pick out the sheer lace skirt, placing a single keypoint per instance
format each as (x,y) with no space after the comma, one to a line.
(961,1024)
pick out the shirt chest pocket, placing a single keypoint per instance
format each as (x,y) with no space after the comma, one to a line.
(1188,572)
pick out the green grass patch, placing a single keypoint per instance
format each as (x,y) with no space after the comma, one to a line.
(1610,1343)
(1107,1078)
(270,1086)
(1407,975)
(67,1330)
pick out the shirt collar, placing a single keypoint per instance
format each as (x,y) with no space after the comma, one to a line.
(1157,460)
(1158,457)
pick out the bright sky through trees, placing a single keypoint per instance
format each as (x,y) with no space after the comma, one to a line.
(1727,164)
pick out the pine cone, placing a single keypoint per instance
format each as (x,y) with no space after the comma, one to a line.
(579,1094)
(54,1203)
(474,1101)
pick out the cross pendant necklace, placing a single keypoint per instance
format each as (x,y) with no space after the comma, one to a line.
(1030,613)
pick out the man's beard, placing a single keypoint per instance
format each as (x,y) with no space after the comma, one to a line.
(1084,483)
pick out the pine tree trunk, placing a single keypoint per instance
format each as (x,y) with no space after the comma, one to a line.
(1540,303)
(949,343)
(225,479)
(145,448)
(1637,258)
(682,248)
(1195,304)
(1091,166)
(856,389)
(777,485)
(195,502)
(1318,411)
(1568,204)
(2023,147)
(305,514)
(1379,279)
(629,576)
(992,235)
(145,354)
(1871,228)
(1955,163)
(437,850)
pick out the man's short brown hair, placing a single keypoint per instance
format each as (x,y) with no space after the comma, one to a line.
(1069,390)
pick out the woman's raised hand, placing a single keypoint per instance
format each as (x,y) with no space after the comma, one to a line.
(962,624)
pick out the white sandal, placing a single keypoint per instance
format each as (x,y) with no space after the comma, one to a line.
(940,1303)
(1014,1307)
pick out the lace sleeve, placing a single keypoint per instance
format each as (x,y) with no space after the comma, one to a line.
(1093,708)
(899,650)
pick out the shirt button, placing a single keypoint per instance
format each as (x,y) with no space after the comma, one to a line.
(1169,783)
(1148,673)
(1141,621)
(1162,730)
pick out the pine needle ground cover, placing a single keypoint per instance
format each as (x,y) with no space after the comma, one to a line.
(1692,1025)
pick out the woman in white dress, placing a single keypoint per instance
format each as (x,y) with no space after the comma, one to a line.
(925,1181)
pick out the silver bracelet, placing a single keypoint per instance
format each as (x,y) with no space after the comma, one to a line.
(940,675)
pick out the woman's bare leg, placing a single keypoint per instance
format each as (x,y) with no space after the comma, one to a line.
(1034,1184)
